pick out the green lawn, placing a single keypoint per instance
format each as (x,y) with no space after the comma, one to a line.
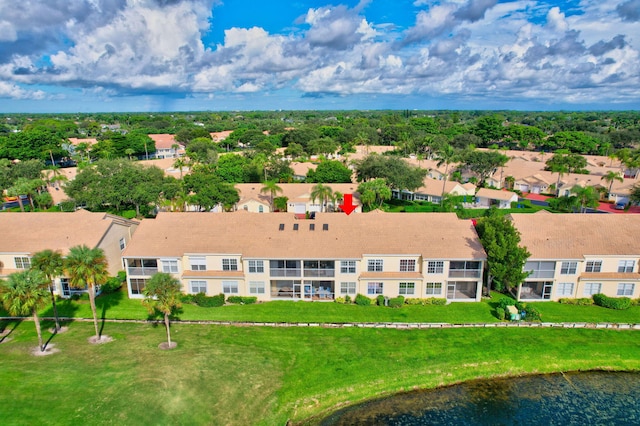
(261,375)
(119,306)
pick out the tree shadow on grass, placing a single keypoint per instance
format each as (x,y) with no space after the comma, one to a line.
(6,329)
(105,302)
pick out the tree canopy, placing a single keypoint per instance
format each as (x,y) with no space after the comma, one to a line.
(394,170)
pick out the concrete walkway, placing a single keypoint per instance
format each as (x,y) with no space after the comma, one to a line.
(391,325)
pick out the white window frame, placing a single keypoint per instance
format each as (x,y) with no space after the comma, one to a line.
(565,289)
(593,266)
(407,265)
(625,289)
(229,264)
(435,267)
(375,265)
(568,268)
(257,287)
(196,286)
(375,288)
(230,287)
(433,289)
(256,266)
(170,266)
(198,263)
(347,266)
(590,289)
(22,262)
(123,243)
(626,266)
(348,288)
(407,288)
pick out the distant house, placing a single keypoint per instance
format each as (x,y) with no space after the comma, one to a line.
(579,255)
(431,190)
(300,170)
(495,198)
(279,257)
(167,146)
(24,234)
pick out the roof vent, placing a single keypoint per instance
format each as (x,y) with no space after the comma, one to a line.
(295,226)
(312,227)
(325,226)
(281,227)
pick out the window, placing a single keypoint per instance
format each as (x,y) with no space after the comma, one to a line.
(319,268)
(407,265)
(347,288)
(142,266)
(374,288)
(137,285)
(123,244)
(348,266)
(256,287)
(256,266)
(625,289)
(198,263)
(229,264)
(626,265)
(170,266)
(230,287)
(465,269)
(565,289)
(433,288)
(540,269)
(592,288)
(568,268)
(374,265)
(407,288)
(23,262)
(198,286)
(593,266)
(435,267)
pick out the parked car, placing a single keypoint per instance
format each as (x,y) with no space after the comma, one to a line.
(620,205)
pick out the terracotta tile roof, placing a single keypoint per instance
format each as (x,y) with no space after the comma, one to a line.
(574,235)
(78,141)
(164,141)
(33,232)
(495,194)
(435,235)
(293,191)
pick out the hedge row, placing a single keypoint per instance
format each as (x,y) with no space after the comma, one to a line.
(619,303)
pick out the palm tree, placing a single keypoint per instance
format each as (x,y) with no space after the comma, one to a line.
(87,268)
(50,263)
(610,177)
(24,294)
(587,196)
(162,293)
(445,155)
(321,192)
(271,186)
(180,163)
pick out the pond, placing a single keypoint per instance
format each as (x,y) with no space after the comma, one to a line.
(580,398)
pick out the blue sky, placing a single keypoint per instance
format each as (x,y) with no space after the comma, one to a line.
(187,55)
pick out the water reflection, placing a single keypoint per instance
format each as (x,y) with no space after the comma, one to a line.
(591,398)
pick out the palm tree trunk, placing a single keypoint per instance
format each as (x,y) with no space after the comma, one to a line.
(444,183)
(36,320)
(166,323)
(55,309)
(92,301)
(20,204)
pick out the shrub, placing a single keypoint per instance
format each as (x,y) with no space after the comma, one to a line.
(112,285)
(619,303)
(532,314)
(506,301)
(437,301)
(582,301)
(347,299)
(425,302)
(362,300)
(396,302)
(205,301)
(186,298)
(635,302)
(340,300)
(501,313)
(242,300)
(520,306)
(380,300)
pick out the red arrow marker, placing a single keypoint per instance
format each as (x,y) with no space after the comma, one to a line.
(347,204)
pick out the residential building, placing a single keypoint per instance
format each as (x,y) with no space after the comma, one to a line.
(167,146)
(578,255)
(495,198)
(431,190)
(278,257)
(24,234)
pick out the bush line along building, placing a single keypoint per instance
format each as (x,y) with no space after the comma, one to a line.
(279,257)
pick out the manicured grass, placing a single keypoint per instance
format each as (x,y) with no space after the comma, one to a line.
(263,376)
(120,307)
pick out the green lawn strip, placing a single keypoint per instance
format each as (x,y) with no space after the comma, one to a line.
(119,306)
(266,375)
